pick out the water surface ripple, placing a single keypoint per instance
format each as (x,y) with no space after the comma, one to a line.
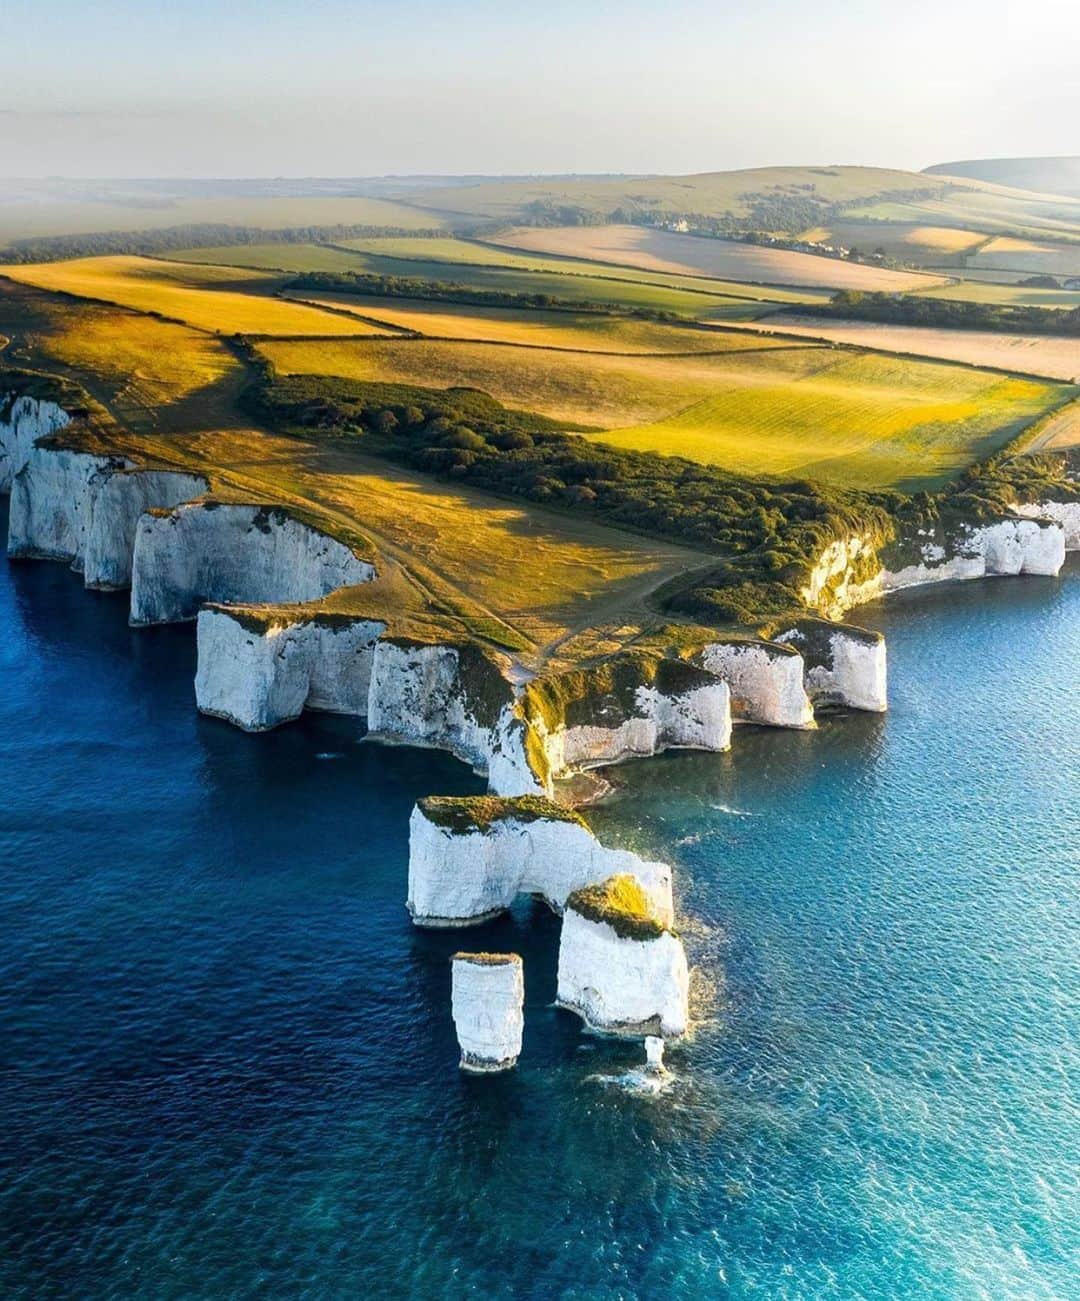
(228,1067)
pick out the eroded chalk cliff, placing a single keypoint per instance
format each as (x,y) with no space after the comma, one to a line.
(470,858)
(211,551)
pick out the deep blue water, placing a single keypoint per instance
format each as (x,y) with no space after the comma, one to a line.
(227,1067)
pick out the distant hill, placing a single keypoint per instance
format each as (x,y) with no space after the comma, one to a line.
(783,198)
(1043,175)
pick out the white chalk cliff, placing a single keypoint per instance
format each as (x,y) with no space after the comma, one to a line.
(259,668)
(469,859)
(26,420)
(619,984)
(223,552)
(765,680)
(1065,513)
(627,707)
(256,672)
(487,1001)
(844,665)
(1030,541)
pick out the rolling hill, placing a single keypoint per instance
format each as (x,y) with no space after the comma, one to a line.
(1043,175)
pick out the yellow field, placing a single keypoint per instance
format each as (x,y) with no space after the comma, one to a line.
(1028,354)
(516,573)
(1030,256)
(156,376)
(583,388)
(656,250)
(588,332)
(905,241)
(195,295)
(863,421)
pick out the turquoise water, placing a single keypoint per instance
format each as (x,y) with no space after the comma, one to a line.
(227,1067)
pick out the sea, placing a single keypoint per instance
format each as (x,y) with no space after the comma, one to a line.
(228,1068)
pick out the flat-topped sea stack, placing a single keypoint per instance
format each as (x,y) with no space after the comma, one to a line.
(622,969)
(487,1001)
(471,857)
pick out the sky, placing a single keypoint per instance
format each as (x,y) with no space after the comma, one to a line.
(245,88)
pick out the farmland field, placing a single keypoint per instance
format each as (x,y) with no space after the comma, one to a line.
(499,255)
(155,376)
(204,297)
(863,420)
(37,220)
(1048,356)
(1006,295)
(656,250)
(575,281)
(1030,256)
(989,209)
(905,241)
(850,418)
(588,331)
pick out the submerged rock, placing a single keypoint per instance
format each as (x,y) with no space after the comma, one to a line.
(488,999)
(621,968)
(470,858)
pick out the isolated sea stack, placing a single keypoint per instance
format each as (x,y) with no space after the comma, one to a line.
(488,999)
(622,968)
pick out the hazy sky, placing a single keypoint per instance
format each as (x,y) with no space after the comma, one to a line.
(332,88)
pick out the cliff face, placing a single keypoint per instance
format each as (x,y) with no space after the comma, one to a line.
(27,419)
(258,669)
(259,676)
(487,999)
(51,502)
(465,869)
(629,706)
(843,665)
(244,554)
(765,681)
(83,508)
(117,501)
(1031,541)
(621,985)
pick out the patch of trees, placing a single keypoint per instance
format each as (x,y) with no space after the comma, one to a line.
(204,234)
(769,532)
(950,314)
(449,291)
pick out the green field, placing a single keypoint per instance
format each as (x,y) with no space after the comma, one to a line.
(864,420)
(1011,295)
(475,252)
(531,327)
(572,281)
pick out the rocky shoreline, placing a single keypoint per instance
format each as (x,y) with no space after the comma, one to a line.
(253,575)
